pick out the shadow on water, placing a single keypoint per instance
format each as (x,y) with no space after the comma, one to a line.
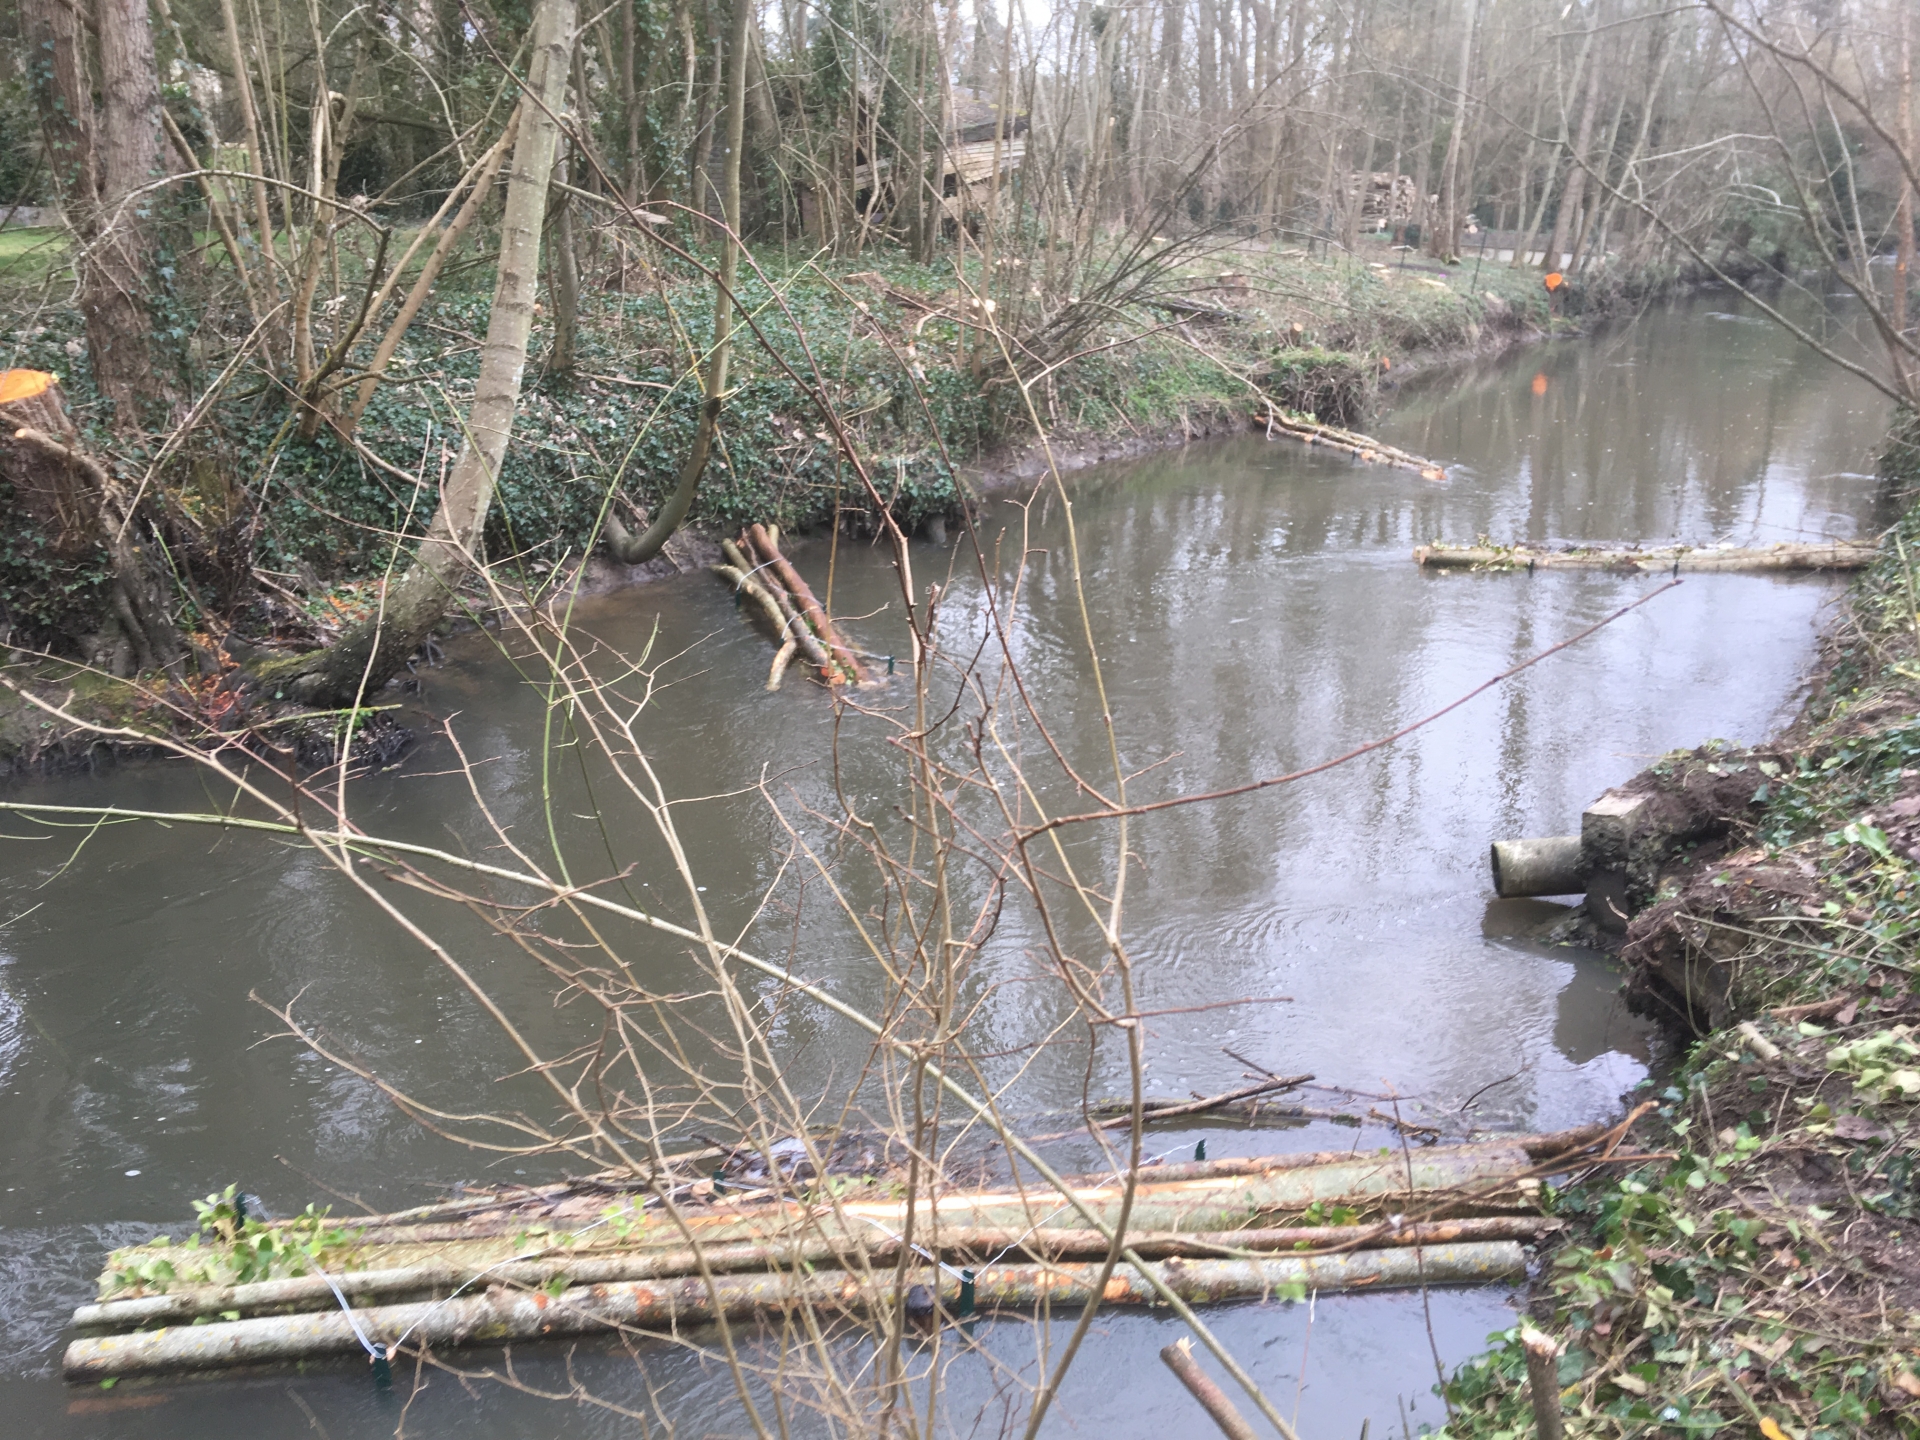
(1258,610)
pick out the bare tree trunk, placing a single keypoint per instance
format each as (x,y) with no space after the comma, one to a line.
(1576,183)
(101,159)
(1903,212)
(256,155)
(483,175)
(1663,49)
(637,550)
(566,279)
(368,655)
(1591,224)
(1444,243)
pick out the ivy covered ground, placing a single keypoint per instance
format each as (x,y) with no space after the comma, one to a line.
(278,534)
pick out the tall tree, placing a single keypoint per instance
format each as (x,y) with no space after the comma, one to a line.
(105,159)
(369,654)
(638,549)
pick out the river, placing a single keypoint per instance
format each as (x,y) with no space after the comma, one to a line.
(1257,610)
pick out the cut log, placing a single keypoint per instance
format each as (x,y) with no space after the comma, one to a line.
(52,490)
(1841,555)
(78,504)
(1538,867)
(499,1315)
(786,624)
(431,1281)
(1213,1400)
(1417,1185)
(768,550)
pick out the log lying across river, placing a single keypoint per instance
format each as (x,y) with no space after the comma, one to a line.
(598,1257)
(1839,555)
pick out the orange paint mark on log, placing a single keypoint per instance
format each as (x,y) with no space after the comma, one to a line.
(1554,281)
(108,1404)
(1540,384)
(1117,1290)
(25,384)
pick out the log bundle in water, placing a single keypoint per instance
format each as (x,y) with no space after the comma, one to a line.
(585,1257)
(1671,559)
(757,571)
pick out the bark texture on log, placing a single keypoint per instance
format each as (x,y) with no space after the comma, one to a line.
(1179,1359)
(52,492)
(1837,556)
(433,1279)
(500,1315)
(1412,1185)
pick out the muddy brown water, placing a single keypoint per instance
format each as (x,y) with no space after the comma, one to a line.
(1258,610)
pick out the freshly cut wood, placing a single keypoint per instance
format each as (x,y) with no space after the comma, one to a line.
(432,1280)
(768,551)
(500,1315)
(79,503)
(1179,1359)
(1839,555)
(46,485)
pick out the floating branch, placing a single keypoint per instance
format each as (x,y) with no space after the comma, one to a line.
(1347,442)
(1839,555)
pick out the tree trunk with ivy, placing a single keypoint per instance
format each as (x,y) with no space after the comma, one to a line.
(368,655)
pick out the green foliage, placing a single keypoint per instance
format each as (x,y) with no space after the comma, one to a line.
(230,1247)
(1883,1063)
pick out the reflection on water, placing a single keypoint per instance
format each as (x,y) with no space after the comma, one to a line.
(1258,611)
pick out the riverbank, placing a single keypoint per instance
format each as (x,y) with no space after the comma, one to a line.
(1763,1279)
(278,543)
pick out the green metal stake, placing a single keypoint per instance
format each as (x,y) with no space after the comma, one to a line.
(966,1293)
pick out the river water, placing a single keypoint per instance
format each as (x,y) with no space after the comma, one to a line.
(1258,611)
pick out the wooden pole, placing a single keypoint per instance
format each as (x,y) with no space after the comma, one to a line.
(1543,1380)
(1213,1400)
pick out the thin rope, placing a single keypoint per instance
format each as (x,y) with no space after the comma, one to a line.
(374,1352)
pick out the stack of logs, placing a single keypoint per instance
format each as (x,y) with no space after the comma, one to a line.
(585,1257)
(759,572)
